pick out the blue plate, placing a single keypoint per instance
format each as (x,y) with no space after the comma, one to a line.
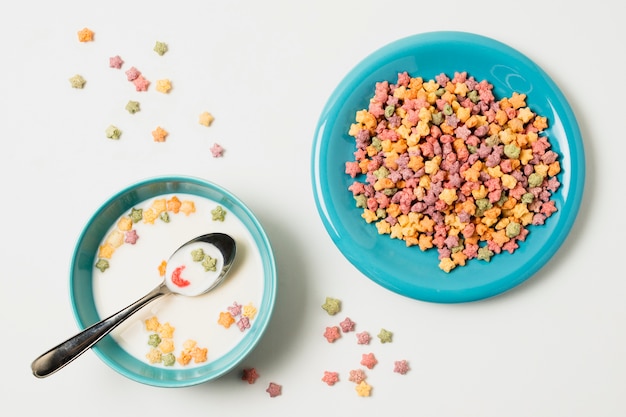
(407,270)
(81,283)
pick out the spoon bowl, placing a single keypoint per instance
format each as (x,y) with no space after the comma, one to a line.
(213,252)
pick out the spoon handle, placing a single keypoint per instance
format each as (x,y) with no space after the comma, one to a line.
(59,356)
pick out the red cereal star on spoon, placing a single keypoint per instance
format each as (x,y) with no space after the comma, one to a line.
(274,390)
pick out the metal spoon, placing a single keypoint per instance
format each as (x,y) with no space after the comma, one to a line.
(64,353)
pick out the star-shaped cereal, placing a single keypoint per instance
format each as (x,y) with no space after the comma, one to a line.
(347,325)
(132,106)
(363,338)
(357,375)
(159,134)
(385,336)
(330,378)
(217,151)
(141,84)
(274,390)
(131,237)
(369,360)
(332,333)
(363,389)
(250,375)
(163,86)
(112,132)
(116,62)
(206,118)
(77,81)
(160,48)
(225,319)
(132,73)
(332,306)
(85,35)
(401,367)
(188,207)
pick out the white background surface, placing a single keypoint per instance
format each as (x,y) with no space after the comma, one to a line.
(554,346)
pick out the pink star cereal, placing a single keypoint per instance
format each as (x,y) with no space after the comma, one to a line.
(250,375)
(332,333)
(141,84)
(369,360)
(347,325)
(363,338)
(330,377)
(357,375)
(401,367)
(442,164)
(274,389)
(217,151)
(116,62)
(132,73)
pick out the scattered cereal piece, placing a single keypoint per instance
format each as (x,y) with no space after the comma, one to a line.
(209,264)
(132,73)
(159,134)
(369,360)
(401,367)
(332,333)
(113,132)
(217,151)
(363,389)
(168,359)
(206,118)
(163,86)
(152,324)
(154,355)
(385,336)
(363,338)
(188,207)
(136,214)
(102,265)
(243,323)
(218,214)
(330,378)
(160,48)
(162,268)
(131,237)
(154,340)
(274,389)
(332,306)
(141,84)
(226,319)
(166,330)
(347,325)
(250,375)
(132,106)
(357,376)
(85,35)
(235,309)
(77,81)
(116,62)
(249,311)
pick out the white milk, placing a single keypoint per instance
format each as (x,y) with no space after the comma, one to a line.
(134,271)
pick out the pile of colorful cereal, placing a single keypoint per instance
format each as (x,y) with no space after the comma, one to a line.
(443,164)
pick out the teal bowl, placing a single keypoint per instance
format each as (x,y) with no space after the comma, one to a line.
(82,282)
